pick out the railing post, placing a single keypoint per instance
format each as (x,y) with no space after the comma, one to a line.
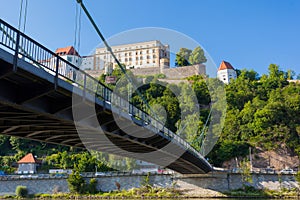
(84,86)
(56,72)
(15,65)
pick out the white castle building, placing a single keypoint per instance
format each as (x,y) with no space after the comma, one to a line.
(134,55)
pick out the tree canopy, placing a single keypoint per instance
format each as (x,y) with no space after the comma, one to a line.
(187,57)
(261,112)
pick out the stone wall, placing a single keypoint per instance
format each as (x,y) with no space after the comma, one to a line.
(34,186)
(146,71)
(105,183)
(184,72)
(171,73)
(225,182)
(213,181)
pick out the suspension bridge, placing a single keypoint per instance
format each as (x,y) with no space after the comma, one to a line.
(37,102)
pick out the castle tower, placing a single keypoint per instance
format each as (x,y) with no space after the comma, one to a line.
(226,72)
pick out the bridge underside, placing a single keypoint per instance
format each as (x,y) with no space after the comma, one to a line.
(32,106)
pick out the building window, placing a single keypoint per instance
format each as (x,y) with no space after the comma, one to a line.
(141,52)
(153,50)
(129,53)
(153,61)
(141,58)
(154,56)
(148,57)
(130,59)
(125,54)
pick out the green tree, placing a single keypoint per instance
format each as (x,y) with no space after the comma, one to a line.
(21,191)
(197,56)
(76,183)
(290,74)
(182,57)
(246,172)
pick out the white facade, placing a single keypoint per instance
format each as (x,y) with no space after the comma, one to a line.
(226,74)
(135,55)
(63,68)
(87,63)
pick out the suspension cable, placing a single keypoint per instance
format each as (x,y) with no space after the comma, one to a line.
(75,31)
(20,15)
(203,129)
(25,15)
(109,49)
(79,29)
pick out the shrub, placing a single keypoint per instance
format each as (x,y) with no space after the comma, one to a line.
(160,76)
(21,191)
(76,183)
(92,187)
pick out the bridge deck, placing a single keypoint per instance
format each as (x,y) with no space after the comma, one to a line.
(38,105)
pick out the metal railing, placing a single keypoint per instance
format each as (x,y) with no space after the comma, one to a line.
(31,51)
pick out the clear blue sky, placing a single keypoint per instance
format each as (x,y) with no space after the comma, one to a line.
(248,33)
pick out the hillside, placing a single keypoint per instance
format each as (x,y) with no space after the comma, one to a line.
(262,113)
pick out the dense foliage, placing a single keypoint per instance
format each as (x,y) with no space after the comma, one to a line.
(187,57)
(261,112)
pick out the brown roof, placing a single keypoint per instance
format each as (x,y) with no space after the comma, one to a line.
(70,50)
(29,158)
(225,65)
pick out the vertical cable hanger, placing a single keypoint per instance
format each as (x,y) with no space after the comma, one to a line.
(23,14)
(20,15)
(75,31)
(77,27)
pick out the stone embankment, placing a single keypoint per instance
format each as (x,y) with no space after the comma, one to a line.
(212,184)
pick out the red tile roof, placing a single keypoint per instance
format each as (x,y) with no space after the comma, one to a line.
(225,65)
(29,158)
(70,50)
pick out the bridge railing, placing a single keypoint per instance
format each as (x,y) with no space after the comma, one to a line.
(31,51)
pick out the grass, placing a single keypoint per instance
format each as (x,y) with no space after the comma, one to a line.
(143,192)
(252,192)
(154,192)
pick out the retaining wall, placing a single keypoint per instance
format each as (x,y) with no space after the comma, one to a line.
(214,181)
